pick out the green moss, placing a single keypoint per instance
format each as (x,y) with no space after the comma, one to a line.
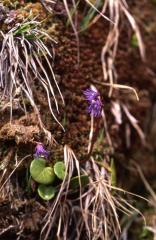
(134,41)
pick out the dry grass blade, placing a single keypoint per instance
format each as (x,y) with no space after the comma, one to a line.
(91,134)
(147,185)
(109,50)
(104,207)
(134,123)
(135,28)
(104,201)
(17,165)
(101,13)
(95,216)
(118,86)
(66,5)
(23,53)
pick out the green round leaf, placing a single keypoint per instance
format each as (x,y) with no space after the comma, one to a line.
(40,173)
(46,192)
(75,181)
(59,170)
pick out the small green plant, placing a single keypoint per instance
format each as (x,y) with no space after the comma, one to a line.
(48,176)
(45,175)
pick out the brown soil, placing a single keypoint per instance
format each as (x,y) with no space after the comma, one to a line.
(19,137)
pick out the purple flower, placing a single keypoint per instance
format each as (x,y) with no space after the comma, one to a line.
(95,104)
(95,108)
(40,151)
(91,94)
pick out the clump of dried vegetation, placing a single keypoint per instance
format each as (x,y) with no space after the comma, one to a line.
(23,52)
(90,211)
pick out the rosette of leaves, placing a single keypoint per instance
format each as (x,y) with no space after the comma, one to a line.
(45,176)
(40,172)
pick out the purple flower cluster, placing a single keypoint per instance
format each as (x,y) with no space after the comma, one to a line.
(40,151)
(91,94)
(95,104)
